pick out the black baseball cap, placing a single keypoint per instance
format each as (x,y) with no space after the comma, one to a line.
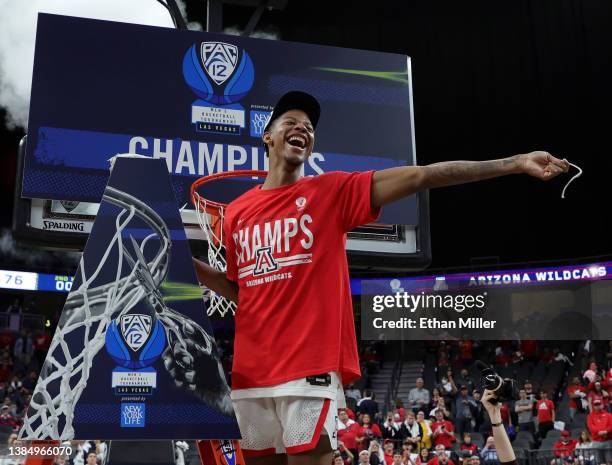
(296,100)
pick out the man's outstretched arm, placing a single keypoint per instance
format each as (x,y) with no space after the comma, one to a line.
(216,280)
(394,183)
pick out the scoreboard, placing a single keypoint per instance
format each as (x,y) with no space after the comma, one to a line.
(27,281)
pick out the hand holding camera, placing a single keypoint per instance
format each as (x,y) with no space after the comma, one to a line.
(502,389)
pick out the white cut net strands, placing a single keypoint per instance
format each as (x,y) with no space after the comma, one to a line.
(215,255)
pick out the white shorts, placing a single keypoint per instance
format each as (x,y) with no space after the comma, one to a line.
(278,425)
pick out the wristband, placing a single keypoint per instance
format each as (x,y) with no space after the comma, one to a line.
(497,424)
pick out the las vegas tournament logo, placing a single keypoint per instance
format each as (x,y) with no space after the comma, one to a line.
(220,74)
(135,342)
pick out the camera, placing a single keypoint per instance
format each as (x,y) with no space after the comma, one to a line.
(504,388)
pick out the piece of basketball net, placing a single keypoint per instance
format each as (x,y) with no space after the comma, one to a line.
(210,215)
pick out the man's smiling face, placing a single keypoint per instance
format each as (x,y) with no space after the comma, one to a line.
(290,137)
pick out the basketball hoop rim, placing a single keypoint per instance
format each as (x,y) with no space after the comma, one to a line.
(204,204)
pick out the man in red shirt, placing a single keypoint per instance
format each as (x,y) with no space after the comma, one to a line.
(388,447)
(546,414)
(441,457)
(287,269)
(600,425)
(564,449)
(575,393)
(442,431)
(348,431)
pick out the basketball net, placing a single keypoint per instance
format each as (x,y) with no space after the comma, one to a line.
(210,218)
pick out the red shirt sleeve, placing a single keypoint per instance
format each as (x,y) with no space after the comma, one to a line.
(354,199)
(230,251)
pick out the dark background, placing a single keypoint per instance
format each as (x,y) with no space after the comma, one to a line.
(490,79)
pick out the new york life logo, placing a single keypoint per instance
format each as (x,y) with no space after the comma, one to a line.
(220,74)
(133,415)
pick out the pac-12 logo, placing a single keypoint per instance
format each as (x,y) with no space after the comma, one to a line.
(135,340)
(220,74)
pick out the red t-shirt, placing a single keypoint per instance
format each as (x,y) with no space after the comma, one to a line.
(571,389)
(445,437)
(465,348)
(436,461)
(600,421)
(593,395)
(286,250)
(349,435)
(565,449)
(545,409)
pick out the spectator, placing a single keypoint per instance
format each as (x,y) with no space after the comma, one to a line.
(597,393)
(426,429)
(443,358)
(489,453)
(524,409)
(546,414)
(465,351)
(348,430)
(464,379)
(441,457)
(391,426)
(600,425)
(92,459)
(5,372)
(102,450)
(529,390)
(609,355)
(367,404)
(588,349)
(448,388)
(465,406)
(474,460)
(376,455)
(364,458)
(590,373)
(418,397)
(347,456)
(400,410)
(388,452)
(338,460)
(410,431)
(423,456)
(479,413)
(41,346)
(442,431)
(441,406)
(367,432)
(467,448)
(584,449)
(407,455)
(575,393)
(30,381)
(6,418)
(397,457)
(353,393)
(529,348)
(564,449)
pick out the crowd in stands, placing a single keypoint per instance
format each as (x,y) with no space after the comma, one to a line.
(444,422)
(21,357)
